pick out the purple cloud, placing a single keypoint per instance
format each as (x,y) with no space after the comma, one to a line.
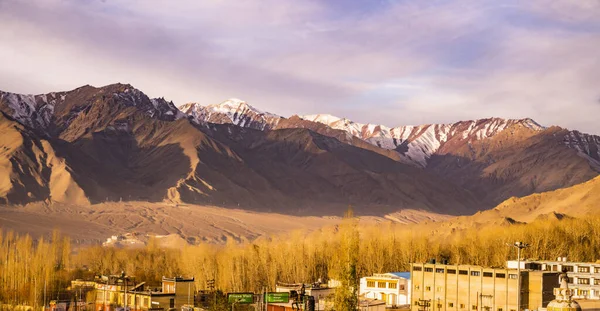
(389,62)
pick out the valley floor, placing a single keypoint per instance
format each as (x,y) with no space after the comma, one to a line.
(182,223)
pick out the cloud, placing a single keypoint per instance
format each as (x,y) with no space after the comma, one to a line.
(389,62)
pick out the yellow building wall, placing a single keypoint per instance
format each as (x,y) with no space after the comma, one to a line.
(470,288)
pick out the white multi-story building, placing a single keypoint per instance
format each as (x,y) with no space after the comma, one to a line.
(584,277)
(393,288)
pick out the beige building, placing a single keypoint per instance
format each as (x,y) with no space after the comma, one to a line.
(584,277)
(392,288)
(439,287)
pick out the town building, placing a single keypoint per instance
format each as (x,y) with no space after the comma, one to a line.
(122,293)
(321,293)
(392,288)
(584,277)
(442,287)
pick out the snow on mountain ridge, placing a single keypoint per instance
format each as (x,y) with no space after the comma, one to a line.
(423,140)
(234,111)
(34,111)
(587,146)
(38,111)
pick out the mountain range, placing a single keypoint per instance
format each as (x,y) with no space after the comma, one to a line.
(114,143)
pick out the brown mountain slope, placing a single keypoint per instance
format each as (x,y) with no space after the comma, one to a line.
(576,201)
(516,162)
(343,136)
(317,170)
(30,170)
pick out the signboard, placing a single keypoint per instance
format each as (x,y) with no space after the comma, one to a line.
(240,298)
(278,297)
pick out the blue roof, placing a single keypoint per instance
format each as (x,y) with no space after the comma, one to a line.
(404,275)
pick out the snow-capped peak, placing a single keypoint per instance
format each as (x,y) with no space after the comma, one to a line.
(234,111)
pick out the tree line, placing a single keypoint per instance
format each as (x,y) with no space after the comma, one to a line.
(345,253)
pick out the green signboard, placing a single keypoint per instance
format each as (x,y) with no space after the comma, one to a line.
(240,298)
(278,297)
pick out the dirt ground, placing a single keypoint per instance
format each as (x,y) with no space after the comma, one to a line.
(193,223)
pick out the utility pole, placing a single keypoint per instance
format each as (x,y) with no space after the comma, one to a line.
(519,246)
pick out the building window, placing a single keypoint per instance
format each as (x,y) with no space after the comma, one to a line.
(597,270)
(475,273)
(463,272)
(462,305)
(451,271)
(513,276)
(417,268)
(416,302)
(439,305)
(370,283)
(428,288)
(381,284)
(499,309)
(501,275)
(583,292)
(393,285)
(451,305)
(568,268)
(554,268)
(583,281)
(439,270)
(474,307)
(402,287)
(438,289)
(428,269)
(583,269)
(417,287)
(596,281)
(488,274)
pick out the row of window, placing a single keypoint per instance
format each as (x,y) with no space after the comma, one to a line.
(466,272)
(582,269)
(451,305)
(585,281)
(391,285)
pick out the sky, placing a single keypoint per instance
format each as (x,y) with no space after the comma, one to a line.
(384,62)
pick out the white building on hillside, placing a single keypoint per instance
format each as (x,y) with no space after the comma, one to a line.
(393,288)
(584,277)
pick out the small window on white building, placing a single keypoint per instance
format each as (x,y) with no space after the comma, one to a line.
(583,269)
(370,283)
(393,285)
(381,284)
(512,276)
